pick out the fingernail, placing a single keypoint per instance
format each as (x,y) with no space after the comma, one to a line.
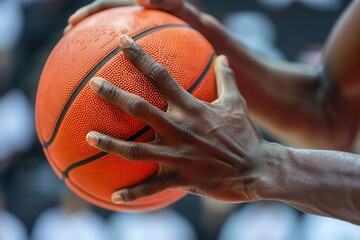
(117,199)
(92,139)
(67,28)
(125,41)
(225,60)
(95,84)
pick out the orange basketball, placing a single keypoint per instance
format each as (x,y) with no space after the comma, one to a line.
(67,109)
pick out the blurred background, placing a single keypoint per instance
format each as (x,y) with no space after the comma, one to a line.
(35,204)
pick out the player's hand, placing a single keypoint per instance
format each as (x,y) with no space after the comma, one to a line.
(172,6)
(209,149)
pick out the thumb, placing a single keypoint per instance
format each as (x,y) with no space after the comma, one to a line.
(226,82)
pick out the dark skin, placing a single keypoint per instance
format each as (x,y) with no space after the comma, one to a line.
(177,137)
(218,153)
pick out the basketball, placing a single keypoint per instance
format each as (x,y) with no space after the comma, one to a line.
(67,109)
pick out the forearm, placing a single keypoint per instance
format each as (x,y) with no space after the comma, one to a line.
(276,90)
(315,181)
(342,52)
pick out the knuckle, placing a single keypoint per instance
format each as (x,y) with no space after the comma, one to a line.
(186,131)
(135,193)
(128,195)
(194,189)
(137,107)
(235,101)
(144,190)
(132,152)
(240,100)
(136,53)
(107,144)
(158,73)
(194,105)
(229,73)
(109,91)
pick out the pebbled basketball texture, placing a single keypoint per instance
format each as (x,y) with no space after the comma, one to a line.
(67,109)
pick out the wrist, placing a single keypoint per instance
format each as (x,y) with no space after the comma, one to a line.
(272,171)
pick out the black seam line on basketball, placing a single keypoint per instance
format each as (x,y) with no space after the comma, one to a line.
(202,75)
(46,144)
(141,131)
(53,162)
(102,154)
(87,193)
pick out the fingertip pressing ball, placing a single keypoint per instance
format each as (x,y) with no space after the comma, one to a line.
(67,109)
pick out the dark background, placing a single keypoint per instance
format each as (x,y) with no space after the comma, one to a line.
(29,185)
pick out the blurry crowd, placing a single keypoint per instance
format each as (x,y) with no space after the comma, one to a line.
(35,204)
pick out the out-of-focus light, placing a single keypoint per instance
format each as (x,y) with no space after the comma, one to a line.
(17,125)
(263,220)
(255,30)
(11,24)
(316,227)
(322,4)
(165,224)
(276,4)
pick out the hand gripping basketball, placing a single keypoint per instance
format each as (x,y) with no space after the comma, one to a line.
(207,149)
(172,6)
